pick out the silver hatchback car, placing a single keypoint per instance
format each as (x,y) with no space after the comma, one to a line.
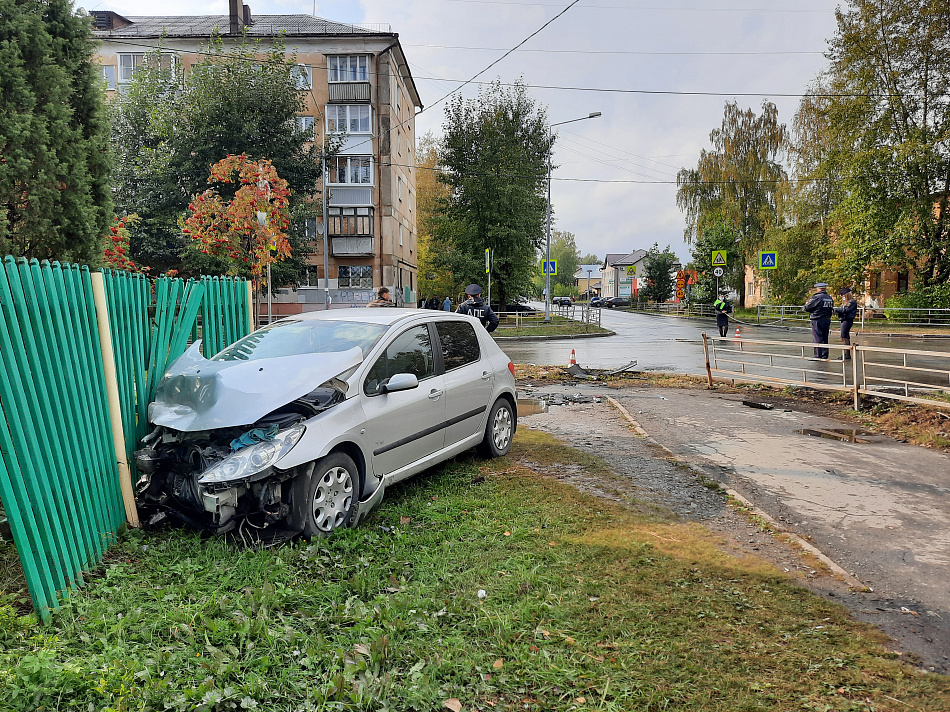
(299,427)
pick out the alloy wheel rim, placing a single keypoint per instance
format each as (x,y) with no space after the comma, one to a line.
(501,428)
(332,498)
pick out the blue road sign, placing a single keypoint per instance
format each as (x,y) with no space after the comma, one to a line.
(768,260)
(550,267)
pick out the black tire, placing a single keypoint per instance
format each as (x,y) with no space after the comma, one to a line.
(499,430)
(332,495)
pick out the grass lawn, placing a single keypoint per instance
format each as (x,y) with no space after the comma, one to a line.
(478,586)
(558,326)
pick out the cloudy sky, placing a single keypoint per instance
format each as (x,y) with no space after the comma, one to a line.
(615,185)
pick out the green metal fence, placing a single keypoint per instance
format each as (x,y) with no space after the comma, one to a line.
(60,470)
(58,479)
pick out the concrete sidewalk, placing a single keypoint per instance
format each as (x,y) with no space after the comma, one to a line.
(881,509)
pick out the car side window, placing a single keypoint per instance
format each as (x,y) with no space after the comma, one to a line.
(410,352)
(459,343)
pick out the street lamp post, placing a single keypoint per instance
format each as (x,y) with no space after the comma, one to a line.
(547,251)
(589,297)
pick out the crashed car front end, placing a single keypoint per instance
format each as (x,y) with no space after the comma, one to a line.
(221,431)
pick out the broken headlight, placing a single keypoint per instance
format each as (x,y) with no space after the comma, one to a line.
(250,460)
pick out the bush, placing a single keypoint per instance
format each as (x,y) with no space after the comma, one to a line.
(937,297)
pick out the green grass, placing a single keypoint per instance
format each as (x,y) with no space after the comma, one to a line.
(559,326)
(587,605)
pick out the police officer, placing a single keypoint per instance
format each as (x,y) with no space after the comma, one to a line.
(478,309)
(723,309)
(846,314)
(820,306)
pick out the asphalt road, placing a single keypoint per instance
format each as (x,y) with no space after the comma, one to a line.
(673,344)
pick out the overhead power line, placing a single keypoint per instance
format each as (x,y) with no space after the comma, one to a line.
(618,51)
(750,10)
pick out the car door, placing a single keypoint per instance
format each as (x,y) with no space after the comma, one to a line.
(468,380)
(405,426)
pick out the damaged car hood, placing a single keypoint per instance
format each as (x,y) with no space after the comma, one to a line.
(200,394)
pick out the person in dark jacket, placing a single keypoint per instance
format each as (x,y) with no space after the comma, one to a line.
(478,309)
(723,309)
(820,307)
(382,299)
(846,314)
(433,304)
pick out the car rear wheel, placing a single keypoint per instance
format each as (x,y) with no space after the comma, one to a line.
(499,430)
(332,495)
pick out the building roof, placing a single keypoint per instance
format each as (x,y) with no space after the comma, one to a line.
(206,25)
(630,259)
(612,258)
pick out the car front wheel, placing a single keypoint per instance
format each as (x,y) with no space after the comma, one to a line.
(332,495)
(499,430)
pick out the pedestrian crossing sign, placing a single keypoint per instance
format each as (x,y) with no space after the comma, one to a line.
(768,260)
(718,258)
(550,267)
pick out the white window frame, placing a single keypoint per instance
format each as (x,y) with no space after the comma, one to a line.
(399,189)
(348,116)
(304,77)
(109,76)
(363,279)
(400,234)
(347,64)
(350,170)
(307,123)
(134,61)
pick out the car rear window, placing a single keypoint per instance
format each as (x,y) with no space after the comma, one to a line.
(292,337)
(459,343)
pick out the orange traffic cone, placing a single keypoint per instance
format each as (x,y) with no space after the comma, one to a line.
(573,361)
(738,335)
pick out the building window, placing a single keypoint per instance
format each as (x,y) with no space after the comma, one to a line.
(345,222)
(398,143)
(348,68)
(348,118)
(108,74)
(400,234)
(351,170)
(356,277)
(310,232)
(399,188)
(128,63)
(305,124)
(903,281)
(304,76)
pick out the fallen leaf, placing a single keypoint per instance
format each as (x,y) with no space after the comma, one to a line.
(552,543)
(569,640)
(405,520)
(498,664)
(434,499)
(453,704)
(534,649)
(486,677)
(581,700)
(507,533)
(361,648)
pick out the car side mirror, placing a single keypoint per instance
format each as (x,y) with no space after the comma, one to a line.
(399,382)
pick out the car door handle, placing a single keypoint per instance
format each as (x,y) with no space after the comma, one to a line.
(435,394)
(486,375)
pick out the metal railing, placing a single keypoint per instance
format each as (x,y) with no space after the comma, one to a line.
(901,374)
(679,308)
(531,319)
(904,316)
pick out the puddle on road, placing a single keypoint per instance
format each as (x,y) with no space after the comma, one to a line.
(531,406)
(846,435)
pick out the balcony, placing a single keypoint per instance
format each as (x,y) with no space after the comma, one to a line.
(351,246)
(349,92)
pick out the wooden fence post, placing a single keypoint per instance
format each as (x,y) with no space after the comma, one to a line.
(706,353)
(112,390)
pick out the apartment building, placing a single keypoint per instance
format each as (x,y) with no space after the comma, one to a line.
(357,83)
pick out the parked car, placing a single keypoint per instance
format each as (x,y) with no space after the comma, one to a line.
(612,302)
(299,427)
(597,301)
(562,301)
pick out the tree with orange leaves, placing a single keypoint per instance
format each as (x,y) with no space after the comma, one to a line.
(232,229)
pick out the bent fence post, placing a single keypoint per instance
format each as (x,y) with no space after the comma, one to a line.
(112,390)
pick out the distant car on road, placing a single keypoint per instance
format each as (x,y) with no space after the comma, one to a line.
(612,302)
(562,301)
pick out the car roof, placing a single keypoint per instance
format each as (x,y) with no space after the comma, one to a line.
(378,315)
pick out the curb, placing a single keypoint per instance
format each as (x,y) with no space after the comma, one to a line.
(807,546)
(553,337)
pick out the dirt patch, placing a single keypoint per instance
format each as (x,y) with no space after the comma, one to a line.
(648,478)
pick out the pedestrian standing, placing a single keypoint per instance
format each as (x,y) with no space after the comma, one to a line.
(434,304)
(820,307)
(478,309)
(382,298)
(723,309)
(846,314)
(447,305)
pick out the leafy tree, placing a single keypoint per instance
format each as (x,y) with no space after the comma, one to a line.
(54,163)
(564,250)
(740,180)
(717,236)
(659,268)
(589,259)
(170,128)
(494,157)
(887,129)
(432,195)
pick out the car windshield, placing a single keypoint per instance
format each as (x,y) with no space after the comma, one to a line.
(292,337)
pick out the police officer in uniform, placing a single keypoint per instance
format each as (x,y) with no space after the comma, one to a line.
(820,306)
(723,309)
(478,309)
(846,314)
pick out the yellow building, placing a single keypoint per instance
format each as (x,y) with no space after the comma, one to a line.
(356,83)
